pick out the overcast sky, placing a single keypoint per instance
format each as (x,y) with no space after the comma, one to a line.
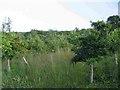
(55,14)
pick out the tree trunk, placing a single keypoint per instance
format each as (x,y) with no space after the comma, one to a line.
(115,57)
(9,66)
(91,73)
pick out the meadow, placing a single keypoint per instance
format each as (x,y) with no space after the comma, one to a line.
(55,70)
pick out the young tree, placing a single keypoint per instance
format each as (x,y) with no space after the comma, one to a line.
(89,47)
(113,38)
(6,47)
(12,44)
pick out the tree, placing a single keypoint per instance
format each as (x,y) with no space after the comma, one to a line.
(6,46)
(12,44)
(113,41)
(113,38)
(88,48)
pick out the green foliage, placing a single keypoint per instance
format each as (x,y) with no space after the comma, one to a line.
(92,43)
(36,44)
(7,51)
(12,45)
(89,46)
(114,21)
(113,40)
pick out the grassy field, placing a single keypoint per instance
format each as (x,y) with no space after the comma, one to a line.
(54,70)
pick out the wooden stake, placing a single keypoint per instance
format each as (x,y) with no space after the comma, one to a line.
(91,73)
(25,60)
(9,65)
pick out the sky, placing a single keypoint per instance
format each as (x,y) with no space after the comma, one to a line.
(55,14)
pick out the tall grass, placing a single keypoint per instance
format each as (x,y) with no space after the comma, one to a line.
(54,70)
